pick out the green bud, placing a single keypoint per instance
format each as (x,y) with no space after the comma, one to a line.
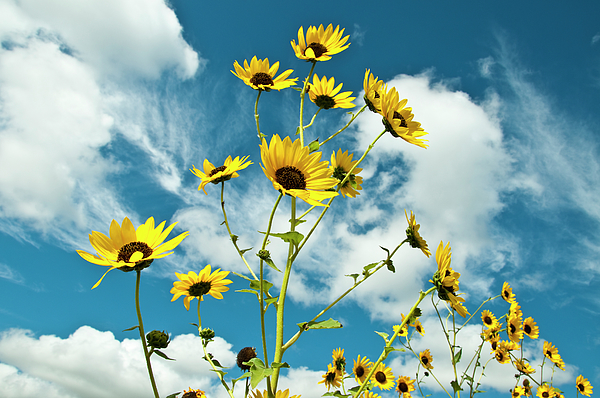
(207,334)
(264,255)
(158,339)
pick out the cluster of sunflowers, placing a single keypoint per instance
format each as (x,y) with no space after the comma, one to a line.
(296,170)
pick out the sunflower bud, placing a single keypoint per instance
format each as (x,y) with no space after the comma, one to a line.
(207,334)
(158,339)
(264,255)
(245,354)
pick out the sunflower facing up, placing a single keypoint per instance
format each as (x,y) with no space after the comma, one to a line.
(412,234)
(322,43)
(383,377)
(341,163)
(372,86)
(219,174)
(326,95)
(530,328)
(129,249)
(361,369)
(260,76)
(488,318)
(404,385)
(295,171)
(398,119)
(507,293)
(192,285)
(583,386)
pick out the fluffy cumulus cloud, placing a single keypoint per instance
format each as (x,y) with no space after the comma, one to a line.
(60,64)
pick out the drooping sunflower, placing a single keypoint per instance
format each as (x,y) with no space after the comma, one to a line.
(192,393)
(219,174)
(488,319)
(361,369)
(583,386)
(530,328)
(340,166)
(404,385)
(331,378)
(260,76)
(295,171)
(507,293)
(320,44)
(425,358)
(192,285)
(278,394)
(398,119)
(339,362)
(383,377)
(129,249)
(372,86)
(446,280)
(412,234)
(551,352)
(326,95)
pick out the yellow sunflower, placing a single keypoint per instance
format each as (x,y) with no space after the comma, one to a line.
(322,43)
(295,171)
(418,327)
(398,119)
(192,285)
(400,332)
(331,378)
(326,95)
(219,174)
(514,328)
(361,369)
(339,361)
(530,328)
(129,249)
(192,393)
(372,86)
(583,386)
(260,76)
(412,234)
(341,163)
(523,366)
(488,319)
(383,377)
(425,358)
(507,293)
(551,352)
(501,355)
(404,385)
(446,279)
(278,394)
(545,391)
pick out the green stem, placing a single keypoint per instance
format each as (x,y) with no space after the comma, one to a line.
(354,116)
(260,135)
(231,236)
(142,333)
(313,119)
(302,95)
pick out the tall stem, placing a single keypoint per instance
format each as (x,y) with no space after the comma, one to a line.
(256,115)
(142,333)
(302,95)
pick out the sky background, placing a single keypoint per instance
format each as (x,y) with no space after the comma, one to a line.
(106,105)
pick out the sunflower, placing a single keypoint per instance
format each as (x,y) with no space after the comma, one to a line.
(260,76)
(501,355)
(519,392)
(583,386)
(322,43)
(523,367)
(412,234)
(222,173)
(404,385)
(129,249)
(383,377)
(372,86)
(370,394)
(398,119)
(331,378)
(507,293)
(339,361)
(515,310)
(418,327)
(492,335)
(295,171)
(514,328)
(192,285)
(403,332)
(530,328)
(192,393)
(446,279)
(426,359)
(340,166)
(278,394)
(488,319)
(361,369)
(551,352)
(324,95)
(545,391)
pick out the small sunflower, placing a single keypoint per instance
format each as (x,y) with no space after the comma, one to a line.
(340,166)
(372,86)
(322,43)
(492,334)
(403,332)
(418,327)
(331,378)
(583,386)
(192,285)
(488,319)
(192,393)
(278,394)
(530,328)
(412,234)
(361,369)
(404,385)
(339,361)
(398,119)
(507,293)
(551,352)
(515,310)
(508,345)
(219,174)
(514,328)
(519,392)
(545,391)
(295,171)
(370,394)
(325,95)
(129,249)
(523,367)
(501,355)
(260,76)
(446,280)
(425,358)
(383,377)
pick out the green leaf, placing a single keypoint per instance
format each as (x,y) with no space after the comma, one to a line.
(354,276)
(258,371)
(241,276)
(297,221)
(174,395)
(272,300)
(386,250)
(457,357)
(391,349)
(277,365)
(294,237)
(255,285)
(335,394)
(390,265)
(131,328)
(314,146)
(297,133)
(367,268)
(245,250)
(219,372)
(384,335)
(271,264)
(162,355)
(328,324)
(455,386)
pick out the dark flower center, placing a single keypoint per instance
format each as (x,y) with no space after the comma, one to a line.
(424,361)
(324,101)
(245,354)
(127,250)
(487,320)
(505,294)
(402,387)
(380,377)
(581,387)
(189,394)
(545,394)
(289,177)
(216,170)
(359,372)
(261,78)
(317,48)
(330,377)
(527,329)
(399,116)
(419,329)
(512,328)
(199,289)
(222,178)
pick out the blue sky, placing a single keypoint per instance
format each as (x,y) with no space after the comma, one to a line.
(104,106)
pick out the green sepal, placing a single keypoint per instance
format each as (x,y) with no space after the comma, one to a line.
(174,395)
(245,250)
(328,324)
(162,355)
(294,237)
(384,335)
(131,328)
(367,268)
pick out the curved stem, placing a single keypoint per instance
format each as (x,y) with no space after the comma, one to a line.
(142,333)
(302,95)
(260,135)
(354,116)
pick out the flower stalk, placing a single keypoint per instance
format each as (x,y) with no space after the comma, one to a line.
(142,333)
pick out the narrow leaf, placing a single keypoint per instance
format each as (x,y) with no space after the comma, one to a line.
(294,237)
(384,335)
(162,355)
(131,328)
(328,324)
(241,276)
